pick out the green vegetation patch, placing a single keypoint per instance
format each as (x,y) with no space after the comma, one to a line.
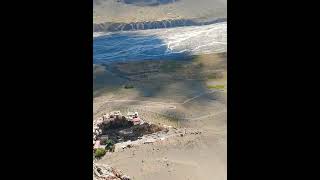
(215,86)
(100,152)
(110,145)
(216,75)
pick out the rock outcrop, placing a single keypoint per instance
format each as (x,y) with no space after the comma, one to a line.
(105,172)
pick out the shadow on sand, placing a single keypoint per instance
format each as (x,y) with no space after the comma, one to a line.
(144,62)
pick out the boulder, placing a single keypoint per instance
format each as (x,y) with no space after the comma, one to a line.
(125,177)
(103,139)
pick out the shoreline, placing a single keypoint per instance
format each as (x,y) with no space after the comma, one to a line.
(158,24)
(156,44)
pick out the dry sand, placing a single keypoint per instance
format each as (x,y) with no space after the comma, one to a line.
(113,11)
(191,157)
(197,90)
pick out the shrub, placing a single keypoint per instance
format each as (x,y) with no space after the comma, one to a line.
(100,152)
(109,145)
(128,86)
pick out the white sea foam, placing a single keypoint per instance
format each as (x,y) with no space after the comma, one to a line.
(160,43)
(196,40)
(97,34)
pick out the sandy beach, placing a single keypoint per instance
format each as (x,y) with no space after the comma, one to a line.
(125,12)
(188,94)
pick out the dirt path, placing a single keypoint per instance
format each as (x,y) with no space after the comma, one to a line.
(166,105)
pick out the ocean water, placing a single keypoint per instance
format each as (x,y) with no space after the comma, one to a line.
(155,44)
